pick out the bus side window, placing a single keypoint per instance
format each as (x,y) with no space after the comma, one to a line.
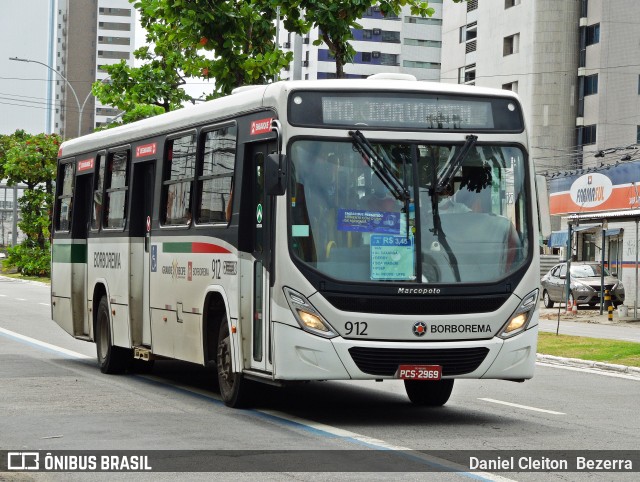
(216,178)
(63,217)
(180,168)
(116,192)
(96,212)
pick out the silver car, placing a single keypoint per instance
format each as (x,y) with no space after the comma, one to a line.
(585,284)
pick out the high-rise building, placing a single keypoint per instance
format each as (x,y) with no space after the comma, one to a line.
(402,44)
(574,65)
(91,34)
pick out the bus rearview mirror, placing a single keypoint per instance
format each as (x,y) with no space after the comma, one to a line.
(275,174)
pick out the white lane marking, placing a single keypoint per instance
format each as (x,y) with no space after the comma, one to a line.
(2,296)
(21,299)
(525,407)
(315,426)
(45,304)
(43,344)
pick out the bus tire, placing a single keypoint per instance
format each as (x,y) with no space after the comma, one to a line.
(111,359)
(429,393)
(235,390)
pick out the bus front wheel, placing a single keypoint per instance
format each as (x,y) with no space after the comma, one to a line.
(111,359)
(429,393)
(234,388)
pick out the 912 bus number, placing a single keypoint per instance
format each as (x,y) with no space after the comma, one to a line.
(357,328)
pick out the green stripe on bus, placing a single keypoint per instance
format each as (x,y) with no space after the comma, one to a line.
(176,247)
(69,253)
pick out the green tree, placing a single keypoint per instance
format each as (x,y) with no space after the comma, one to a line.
(231,41)
(31,160)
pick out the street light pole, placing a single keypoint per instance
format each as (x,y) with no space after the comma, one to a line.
(73,91)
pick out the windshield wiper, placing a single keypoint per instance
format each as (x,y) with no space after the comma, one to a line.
(380,166)
(446,174)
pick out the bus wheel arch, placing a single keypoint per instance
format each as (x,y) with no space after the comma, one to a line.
(215,310)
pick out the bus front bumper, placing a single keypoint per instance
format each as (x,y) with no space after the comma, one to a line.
(303,356)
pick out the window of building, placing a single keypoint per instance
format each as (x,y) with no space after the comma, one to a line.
(638,135)
(367,34)
(180,168)
(366,57)
(388,59)
(423,43)
(511,3)
(215,180)
(120,12)
(468,32)
(591,84)
(467,74)
(584,8)
(414,64)
(114,40)
(391,37)
(116,192)
(593,34)
(113,54)
(588,134)
(511,45)
(114,26)
(512,86)
(472,5)
(423,21)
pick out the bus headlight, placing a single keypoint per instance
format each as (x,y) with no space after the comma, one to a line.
(520,318)
(307,316)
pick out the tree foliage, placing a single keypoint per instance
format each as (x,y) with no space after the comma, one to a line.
(231,41)
(31,160)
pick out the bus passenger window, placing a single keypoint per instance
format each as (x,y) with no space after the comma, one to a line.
(96,213)
(116,192)
(63,221)
(180,169)
(216,177)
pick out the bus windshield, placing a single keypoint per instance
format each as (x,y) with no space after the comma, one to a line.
(349,217)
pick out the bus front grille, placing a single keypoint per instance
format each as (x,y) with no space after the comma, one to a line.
(385,361)
(457,305)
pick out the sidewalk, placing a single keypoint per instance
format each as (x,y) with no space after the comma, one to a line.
(590,323)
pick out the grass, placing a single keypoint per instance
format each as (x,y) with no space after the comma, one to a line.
(11,273)
(595,349)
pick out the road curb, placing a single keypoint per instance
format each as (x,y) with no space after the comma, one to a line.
(578,363)
(41,283)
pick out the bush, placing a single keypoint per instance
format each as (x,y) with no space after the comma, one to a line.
(29,259)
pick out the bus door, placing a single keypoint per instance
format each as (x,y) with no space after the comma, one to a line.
(79,228)
(141,257)
(261,220)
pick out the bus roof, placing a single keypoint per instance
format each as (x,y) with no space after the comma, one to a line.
(252,98)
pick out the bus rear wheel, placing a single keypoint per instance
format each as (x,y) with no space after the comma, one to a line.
(111,359)
(429,393)
(234,388)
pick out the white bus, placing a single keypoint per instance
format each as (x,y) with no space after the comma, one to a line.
(320,230)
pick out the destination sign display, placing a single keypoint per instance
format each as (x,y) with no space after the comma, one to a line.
(420,111)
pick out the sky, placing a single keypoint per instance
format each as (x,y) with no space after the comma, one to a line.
(24,32)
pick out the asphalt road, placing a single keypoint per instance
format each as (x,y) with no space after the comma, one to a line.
(53,397)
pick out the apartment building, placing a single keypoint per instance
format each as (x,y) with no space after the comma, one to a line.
(91,34)
(575,65)
(402,44)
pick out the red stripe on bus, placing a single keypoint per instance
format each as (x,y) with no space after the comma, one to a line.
(208,248)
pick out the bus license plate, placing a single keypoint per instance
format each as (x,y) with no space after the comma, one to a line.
(420,372)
